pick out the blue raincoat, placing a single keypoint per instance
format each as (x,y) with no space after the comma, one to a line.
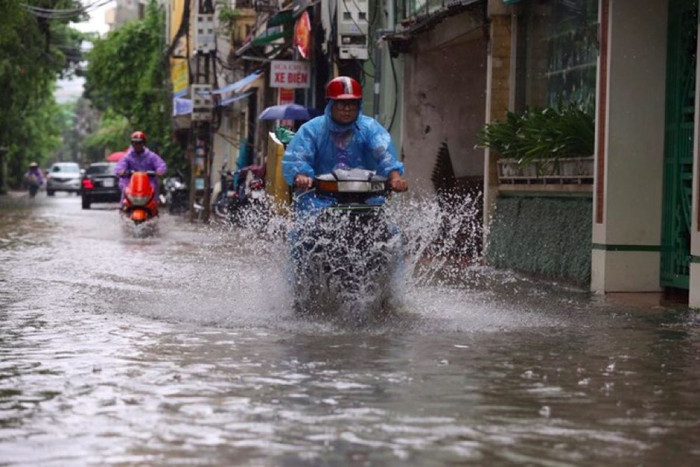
(322,145)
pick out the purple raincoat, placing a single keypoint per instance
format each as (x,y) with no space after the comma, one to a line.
(146,160)
(34,173)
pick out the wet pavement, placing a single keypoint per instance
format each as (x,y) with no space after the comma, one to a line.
(181,347)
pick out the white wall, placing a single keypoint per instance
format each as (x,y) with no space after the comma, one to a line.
(634,148)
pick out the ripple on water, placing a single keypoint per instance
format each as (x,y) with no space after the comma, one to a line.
(182,348)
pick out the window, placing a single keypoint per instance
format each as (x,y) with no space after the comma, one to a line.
(413,8)
(69,168)
(557,61)
(101,169)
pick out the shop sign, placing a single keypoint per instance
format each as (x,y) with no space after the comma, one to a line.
(286,96)
(289,74)
(302,34)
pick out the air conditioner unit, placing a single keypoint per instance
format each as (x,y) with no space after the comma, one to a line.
(353,26)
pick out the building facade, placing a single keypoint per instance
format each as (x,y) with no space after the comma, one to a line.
(434,73)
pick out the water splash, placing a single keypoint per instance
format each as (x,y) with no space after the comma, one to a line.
(442,235)
(148,228)
(439,239)
(344,263)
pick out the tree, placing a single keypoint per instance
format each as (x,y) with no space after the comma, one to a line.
(35,49)
(127,76)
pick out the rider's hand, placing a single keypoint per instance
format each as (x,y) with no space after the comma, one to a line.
(396,183)
(303,182)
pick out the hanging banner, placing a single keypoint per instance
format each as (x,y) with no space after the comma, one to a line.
(179,76)
(302,34)
(289,74)
(178,62)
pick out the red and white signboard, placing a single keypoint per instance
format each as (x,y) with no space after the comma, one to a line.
(286,96)
(290,74)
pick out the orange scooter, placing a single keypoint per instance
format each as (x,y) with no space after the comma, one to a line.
(139,203)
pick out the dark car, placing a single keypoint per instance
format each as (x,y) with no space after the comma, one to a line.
(99,184)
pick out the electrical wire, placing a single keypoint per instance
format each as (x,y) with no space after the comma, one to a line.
(63,14)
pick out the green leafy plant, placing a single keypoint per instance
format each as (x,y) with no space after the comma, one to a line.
(548,133)
(227,15)
(127,76)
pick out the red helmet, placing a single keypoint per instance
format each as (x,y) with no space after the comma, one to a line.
(343,87)
(138,137)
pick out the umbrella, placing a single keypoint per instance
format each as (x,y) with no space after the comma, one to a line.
(288,112)
(115,156)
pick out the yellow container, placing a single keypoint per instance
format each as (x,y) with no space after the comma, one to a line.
(275,186)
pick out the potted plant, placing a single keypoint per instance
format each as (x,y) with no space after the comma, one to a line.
(542,143)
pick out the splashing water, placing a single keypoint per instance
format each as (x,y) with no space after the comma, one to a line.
(358,268)
(148,228)
(441,235)
(344,262)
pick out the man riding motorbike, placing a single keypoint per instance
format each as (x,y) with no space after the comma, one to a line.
(139,159)
(34,179)
(342,138)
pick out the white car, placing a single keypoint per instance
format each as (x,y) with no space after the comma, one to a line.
(63,176)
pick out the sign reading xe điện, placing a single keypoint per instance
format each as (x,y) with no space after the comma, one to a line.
(289,74)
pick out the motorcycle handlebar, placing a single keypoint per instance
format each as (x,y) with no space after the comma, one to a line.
(315,185)
(129,173)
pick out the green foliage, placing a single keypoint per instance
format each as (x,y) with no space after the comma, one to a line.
(227,15)
(541,134)
(127,75)
(34,52)
(111,136)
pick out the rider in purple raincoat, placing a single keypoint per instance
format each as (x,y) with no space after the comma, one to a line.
(34,176)
(139,158)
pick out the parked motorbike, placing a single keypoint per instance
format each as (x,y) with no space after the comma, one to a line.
(345,251)
(175,194)
(139,203)
(241,200)
(225,195)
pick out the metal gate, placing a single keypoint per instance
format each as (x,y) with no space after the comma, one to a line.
(678,157)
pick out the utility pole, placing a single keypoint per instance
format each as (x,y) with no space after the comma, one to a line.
(204,78)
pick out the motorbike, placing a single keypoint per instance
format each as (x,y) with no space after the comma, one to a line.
(241,196)
(139,204)
(175,194)
(345,251)
(33,185)
(225,194)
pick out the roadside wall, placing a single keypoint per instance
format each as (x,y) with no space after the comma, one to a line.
(445,98)
(546,237)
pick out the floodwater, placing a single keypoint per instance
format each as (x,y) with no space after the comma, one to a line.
(181,347)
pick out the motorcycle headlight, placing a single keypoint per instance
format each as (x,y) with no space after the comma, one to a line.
(354,186)
(138,200)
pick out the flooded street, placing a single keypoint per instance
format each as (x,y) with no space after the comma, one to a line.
(182,348)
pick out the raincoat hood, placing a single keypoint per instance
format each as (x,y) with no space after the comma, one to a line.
(322,145)
(336,127)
